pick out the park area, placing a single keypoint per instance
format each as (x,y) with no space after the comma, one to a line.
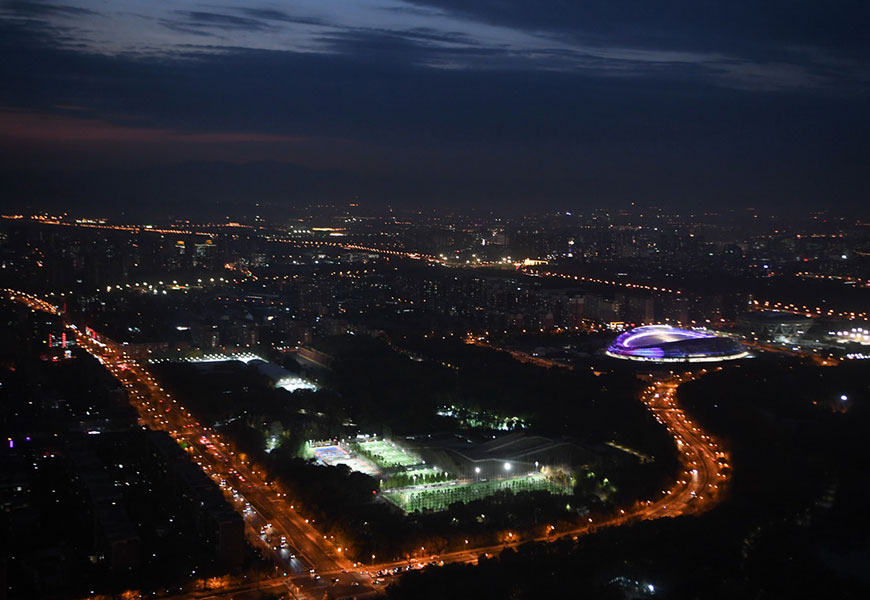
(441,496)
(412,485)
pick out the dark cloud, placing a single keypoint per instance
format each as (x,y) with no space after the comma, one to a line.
(271,14)
(425,113)
(197,20)
(42,9)
(711,25)
(413,47)
(186,27)
(765,46)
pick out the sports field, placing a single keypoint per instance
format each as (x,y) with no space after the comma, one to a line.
(387,454)
(439,497)
(335,455)
(416,476)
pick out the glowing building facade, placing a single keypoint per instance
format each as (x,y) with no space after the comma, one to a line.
(663,343)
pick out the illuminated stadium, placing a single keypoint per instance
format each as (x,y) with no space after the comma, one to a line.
(663,343)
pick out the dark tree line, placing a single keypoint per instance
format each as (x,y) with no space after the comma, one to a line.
(794,524)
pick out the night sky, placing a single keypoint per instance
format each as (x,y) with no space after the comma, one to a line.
(493,103)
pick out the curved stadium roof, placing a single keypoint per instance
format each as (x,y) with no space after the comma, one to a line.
(663,343)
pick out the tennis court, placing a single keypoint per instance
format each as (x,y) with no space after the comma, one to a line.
(336,455)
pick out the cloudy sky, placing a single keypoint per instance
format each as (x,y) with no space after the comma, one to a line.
(551,103)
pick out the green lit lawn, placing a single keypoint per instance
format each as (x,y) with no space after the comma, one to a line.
(386,455)
(421,473)
(439,498)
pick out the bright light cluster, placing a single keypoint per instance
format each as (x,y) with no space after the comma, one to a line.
(291,384)
(244,357)
(856,334)
(663,343)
